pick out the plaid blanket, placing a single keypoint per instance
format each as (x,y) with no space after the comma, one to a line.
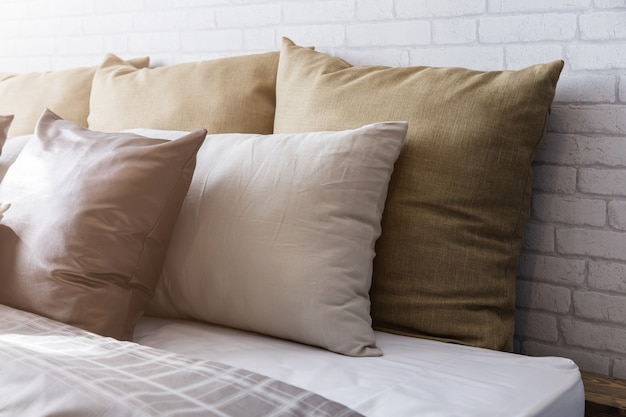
(48,368)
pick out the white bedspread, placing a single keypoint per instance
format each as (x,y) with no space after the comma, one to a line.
(415,377)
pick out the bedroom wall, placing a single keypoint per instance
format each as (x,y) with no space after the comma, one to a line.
(572,274)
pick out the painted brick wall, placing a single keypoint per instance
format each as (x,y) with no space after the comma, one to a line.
(572,274)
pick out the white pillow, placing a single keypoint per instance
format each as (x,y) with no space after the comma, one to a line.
(277,232)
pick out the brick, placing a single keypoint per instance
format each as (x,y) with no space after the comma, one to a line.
(217,40)
(534,325)
(507,6)
(595,243)
(438,8)
(387,56)
(596,56)
(539,237)
(164,20)
(587,361)
(622,89)
(586,89)
(374,10)
(617,215)
(619,368)
(474,57)
(598,306)
(38,27)
(114,6)
(79,7)
(201,19)
(551,178)
(108,24)
(611,182)
(603,26)
(609,4)
(389,33)
(157,4)
(248,16)
(568,210)
(607,276)
(323,12)
(597,119)
(139,43)
(582,150)
(521,56)
(551,269)
(331,36)
(35,46)
(527,28)
(260,39)
(457,31)
(540,296)
(593,335)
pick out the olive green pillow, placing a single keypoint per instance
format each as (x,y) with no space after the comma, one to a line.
(65,92)
(227,95)
(460,193)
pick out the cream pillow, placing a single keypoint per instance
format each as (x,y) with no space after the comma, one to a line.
(277,233)
(5,124)
(234,94)
(66,92)
(91,217)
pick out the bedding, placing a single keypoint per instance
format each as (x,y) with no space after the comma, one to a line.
(275,238)
(90,220)
(277,232)
(459,197)
(48,368)
(66,92)
(414,377)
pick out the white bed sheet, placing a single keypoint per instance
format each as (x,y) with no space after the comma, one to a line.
(415,377)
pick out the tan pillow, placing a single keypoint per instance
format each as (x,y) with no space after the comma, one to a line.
(235,94)
(277,235)
(90,219)
(459,196)
(66,92)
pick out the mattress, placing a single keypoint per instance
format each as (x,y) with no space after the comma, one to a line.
(414,377)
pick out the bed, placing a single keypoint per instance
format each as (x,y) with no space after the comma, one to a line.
(275,234)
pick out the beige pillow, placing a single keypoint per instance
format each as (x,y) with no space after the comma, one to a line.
(5,124)
(90,219)
(277,235)
(235,94)
(64,91)
(459,197)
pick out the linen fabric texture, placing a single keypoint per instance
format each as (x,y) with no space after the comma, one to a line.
(234,94)
(66,92)
(90,219)
(277,235)
(459,197)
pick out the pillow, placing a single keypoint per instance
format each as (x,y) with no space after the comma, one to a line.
(235,94)
(90,219)
(5,124)
(277,235)
(64,91)
(3,207)
(459,197)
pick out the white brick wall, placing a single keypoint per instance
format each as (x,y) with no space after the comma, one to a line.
(572,272)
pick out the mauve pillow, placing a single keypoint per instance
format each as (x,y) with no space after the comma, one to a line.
(90,219)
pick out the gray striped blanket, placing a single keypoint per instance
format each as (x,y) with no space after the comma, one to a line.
(51,369)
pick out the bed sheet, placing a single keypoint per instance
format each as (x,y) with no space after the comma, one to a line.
(414,377)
